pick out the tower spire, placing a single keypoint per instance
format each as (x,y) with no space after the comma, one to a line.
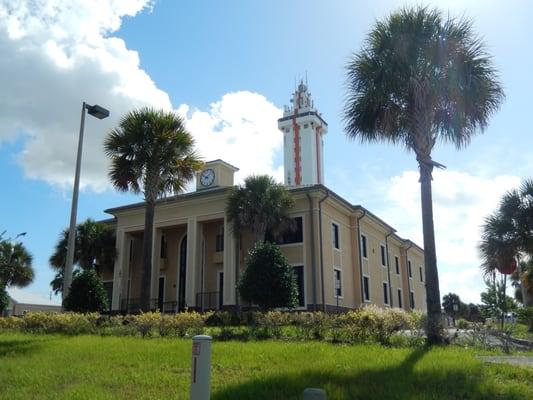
(303,129)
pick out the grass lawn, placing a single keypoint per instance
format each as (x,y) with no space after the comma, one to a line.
(93,367)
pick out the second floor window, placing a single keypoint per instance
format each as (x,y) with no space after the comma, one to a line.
(397,264)
(409,270)
(364,252)
(219,244)
(163,251)
(383,256)
(335,236)
(294,234)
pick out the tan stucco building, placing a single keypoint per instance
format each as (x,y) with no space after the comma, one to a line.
(343,255)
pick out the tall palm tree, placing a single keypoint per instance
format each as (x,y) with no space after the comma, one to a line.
(507,236)
(15,265)
(421,78)
(95,248)
(261,205)
(151,153)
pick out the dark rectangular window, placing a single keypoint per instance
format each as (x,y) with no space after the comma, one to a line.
(409,270)
(299,277)
(412,299)
(400,298)
(335,235)
(292,235)
(163,251)
(219,244)
(385,293)
(338,283)
(363,246)
(421,274)
(397,264)
(366,288)
(383,255)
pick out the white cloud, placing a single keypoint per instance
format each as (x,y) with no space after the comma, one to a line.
(460,203)
(58,53)
(241,128)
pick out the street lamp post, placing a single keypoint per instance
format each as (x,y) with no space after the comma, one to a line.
(100,113)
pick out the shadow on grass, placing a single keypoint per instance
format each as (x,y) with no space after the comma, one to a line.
(19,347)
(399,382)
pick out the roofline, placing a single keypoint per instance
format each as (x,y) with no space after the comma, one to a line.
(218,160)
(303,114)
(169,199)
(297,189)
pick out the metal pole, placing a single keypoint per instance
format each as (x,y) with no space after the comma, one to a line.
(67,279)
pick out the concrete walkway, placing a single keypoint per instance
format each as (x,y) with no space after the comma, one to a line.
(524,361)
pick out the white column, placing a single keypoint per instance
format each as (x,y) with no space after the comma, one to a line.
(122,258)
(156,259)
(192,261)
(229,265)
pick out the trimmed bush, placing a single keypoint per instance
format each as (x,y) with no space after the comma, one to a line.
(87,293)
(268,279)
(365,325)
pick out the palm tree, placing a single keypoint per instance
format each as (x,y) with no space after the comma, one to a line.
(15,265)
(151,153)
(421,78)
(261,205)
(95,248)
(507,236)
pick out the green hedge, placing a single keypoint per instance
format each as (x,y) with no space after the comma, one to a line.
(365,325)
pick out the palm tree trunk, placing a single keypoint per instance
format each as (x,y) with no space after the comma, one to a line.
(434,324)
(146,282)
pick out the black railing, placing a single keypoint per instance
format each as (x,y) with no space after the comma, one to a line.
(133,306)
(208,301)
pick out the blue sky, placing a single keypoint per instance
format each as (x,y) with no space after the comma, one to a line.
(229,67)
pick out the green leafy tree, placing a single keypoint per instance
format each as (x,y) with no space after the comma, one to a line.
(261,205)
(421,78)
(473,313)
(452,305)
(94,248)
(151,153)
(495,303)
(268,280)
(87,293)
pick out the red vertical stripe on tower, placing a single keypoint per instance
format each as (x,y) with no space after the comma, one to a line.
(297,166)
(297,157)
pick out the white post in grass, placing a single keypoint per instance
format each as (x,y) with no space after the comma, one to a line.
(314,394)
(201,366)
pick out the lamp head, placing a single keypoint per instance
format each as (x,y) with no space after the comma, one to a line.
(98,111)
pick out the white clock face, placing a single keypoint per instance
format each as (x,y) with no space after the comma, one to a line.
(208,177)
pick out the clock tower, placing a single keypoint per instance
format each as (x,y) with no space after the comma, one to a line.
(214,174)
(303,130)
